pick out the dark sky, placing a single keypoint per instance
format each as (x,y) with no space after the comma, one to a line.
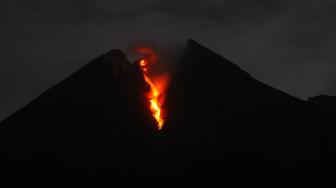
(288,44)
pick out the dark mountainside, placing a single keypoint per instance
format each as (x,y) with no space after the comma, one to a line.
(83,131)
(224,128)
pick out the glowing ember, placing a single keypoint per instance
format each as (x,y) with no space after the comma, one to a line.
(156,94)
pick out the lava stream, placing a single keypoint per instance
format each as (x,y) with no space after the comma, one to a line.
(155,96)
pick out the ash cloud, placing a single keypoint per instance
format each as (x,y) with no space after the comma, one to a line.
(287,44)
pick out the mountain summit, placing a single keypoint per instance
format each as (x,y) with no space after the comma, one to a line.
(223,128)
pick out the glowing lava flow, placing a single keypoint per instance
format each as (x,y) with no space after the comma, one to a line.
(154,95)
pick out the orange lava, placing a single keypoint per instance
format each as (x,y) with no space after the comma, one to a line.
(155,96)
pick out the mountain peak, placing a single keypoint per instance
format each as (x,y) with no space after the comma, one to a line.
(197,54)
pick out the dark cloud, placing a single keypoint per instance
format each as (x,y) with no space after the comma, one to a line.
(285,43)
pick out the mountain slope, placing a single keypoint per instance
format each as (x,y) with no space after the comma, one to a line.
(223,119)
(92,125)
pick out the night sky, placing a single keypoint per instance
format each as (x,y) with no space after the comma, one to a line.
(288,44)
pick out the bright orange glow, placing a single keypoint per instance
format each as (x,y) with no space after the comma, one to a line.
(155,96)
(148,52)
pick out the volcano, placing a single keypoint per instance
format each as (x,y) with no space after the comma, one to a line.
(222,128)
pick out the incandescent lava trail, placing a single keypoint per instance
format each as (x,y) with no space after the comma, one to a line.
(153,96)
(157,85)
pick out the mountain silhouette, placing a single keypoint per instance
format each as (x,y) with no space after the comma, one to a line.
(222,118)
(223,129)
(84,129)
